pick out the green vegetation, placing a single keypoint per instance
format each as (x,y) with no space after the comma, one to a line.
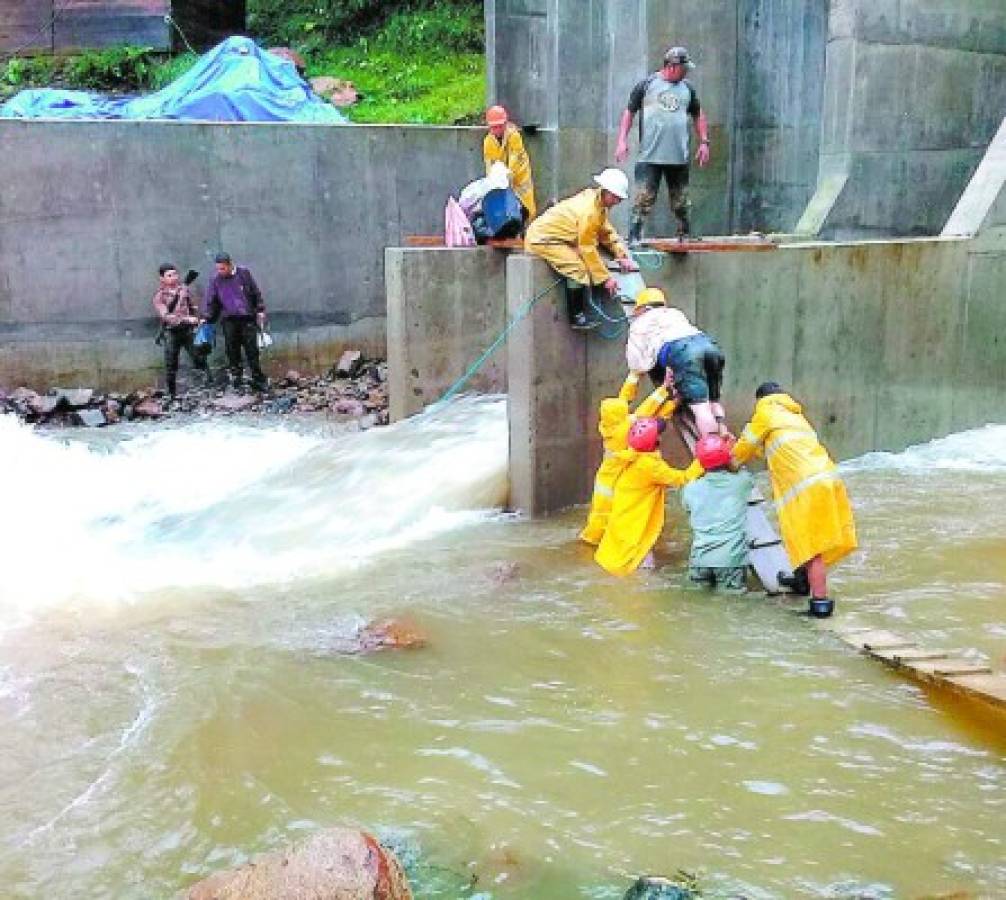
(419,61)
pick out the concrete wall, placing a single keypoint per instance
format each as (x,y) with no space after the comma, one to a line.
(886,343)
(915,90)
(89,209)
(879,110)
(445,307)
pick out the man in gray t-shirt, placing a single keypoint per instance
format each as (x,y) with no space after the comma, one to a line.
(665,102)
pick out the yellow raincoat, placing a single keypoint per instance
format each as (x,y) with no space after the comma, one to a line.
(614,424)
(637,509)
(814,512)
(568,234)
(510,151)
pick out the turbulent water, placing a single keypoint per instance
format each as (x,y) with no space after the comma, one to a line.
(172,697)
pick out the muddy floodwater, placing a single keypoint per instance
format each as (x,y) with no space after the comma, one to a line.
(174,699)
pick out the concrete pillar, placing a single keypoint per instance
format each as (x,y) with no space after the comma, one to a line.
(548,399)
(445,307)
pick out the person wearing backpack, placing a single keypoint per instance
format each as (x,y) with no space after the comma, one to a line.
(665,102)
(235,299)
(179,315)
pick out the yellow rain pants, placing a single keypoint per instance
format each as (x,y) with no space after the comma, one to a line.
(637,509)
(567,237)
(815,516)
(614,424)
(510,151)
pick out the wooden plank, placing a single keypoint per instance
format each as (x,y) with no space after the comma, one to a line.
(908,654)
(949,667)
(436,240)
(875,639)
(671,245)
(989,687)
(108,23)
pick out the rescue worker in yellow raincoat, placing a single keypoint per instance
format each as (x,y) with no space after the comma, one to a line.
(815,516)
(637,509)
(614,423)
(504,144)
(567,236)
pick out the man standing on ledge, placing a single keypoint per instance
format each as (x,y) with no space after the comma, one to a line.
(503,143)
(664,101)
(567,237)
(234,297)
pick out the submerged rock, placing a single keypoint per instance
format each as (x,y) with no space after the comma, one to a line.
(656,887)
(349,363)
(390,634)
(335,864)
(148,408)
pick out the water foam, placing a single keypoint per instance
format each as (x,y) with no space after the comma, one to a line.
(980,449)
(229,506)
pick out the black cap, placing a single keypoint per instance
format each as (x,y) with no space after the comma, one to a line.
(678,56)
(222,258)
(769,387)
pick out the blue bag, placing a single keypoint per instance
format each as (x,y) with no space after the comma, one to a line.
(206,335)
(503,213)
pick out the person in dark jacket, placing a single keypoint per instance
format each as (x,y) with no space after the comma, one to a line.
(234,298)
(179,314)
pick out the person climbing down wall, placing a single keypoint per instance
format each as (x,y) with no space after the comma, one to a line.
(503,143)
(614,422)
(815,516)
(661,337)
(637,507)
(717,507)
(567,236)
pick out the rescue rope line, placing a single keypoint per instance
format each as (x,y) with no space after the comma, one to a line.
(519,316)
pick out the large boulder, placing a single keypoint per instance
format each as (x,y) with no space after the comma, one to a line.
(335,864)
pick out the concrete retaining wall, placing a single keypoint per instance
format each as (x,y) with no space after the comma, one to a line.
(445,307)
(89,209)
(878,109)
(886,343)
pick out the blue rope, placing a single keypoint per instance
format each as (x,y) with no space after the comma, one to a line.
(496,344)
(621,322)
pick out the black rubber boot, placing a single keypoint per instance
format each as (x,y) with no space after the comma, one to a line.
(820,607)
(684,231)
(635,234)
(798,582)
(576,301)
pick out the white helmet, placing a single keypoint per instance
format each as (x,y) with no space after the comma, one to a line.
(614,180)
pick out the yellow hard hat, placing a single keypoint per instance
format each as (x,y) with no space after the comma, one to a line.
(650,297)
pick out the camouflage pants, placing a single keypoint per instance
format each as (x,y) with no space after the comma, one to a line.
(648,177)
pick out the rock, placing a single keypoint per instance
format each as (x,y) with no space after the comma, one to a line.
(291,55)
(348,407)
(390,634)
(74,398)
(148,408)
(22,395)
(335,864)
(89,418)
(655,887)
(281,405)
(337,91)
(349,363)
(503,572)
(382,372)
(293,378)
(234,402)
(368,421)
(43,406)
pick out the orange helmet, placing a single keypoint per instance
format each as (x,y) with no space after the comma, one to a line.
(496,115)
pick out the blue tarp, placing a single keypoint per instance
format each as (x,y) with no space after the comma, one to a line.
(236,81)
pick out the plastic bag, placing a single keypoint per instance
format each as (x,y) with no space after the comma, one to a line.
(457,228)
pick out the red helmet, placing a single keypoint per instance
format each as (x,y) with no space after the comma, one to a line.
(644,435)
(712,452)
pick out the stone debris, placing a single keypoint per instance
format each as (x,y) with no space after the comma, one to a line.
(337,863)
(355,402)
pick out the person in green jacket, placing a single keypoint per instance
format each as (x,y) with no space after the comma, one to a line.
(717,506)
